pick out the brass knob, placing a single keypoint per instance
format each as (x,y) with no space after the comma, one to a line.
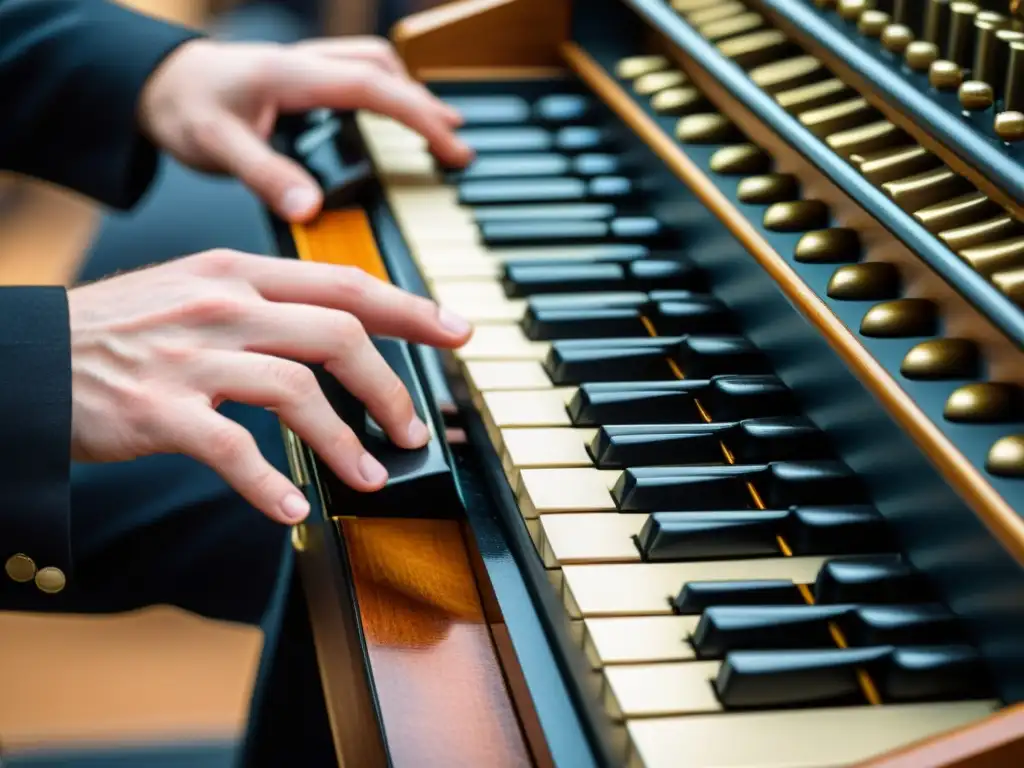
(740,159)
(796,216)
(939,359)
(896,38)
(945,75)
(708,128)
(769,188)
(828,246)
(919,55)
(870,281)
(984,403)
(975,95)
(900,319)
(1009,126)
(1006,457)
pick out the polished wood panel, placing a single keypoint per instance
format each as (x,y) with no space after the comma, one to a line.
(342,237)
(996,742)
(990,507)
(484,33)
(440,687)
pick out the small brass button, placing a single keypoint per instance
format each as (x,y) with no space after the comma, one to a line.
(50,580)
(20,568)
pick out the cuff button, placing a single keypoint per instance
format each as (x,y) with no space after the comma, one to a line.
(20,568)
(50,580)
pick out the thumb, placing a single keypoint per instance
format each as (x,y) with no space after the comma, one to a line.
(279,181)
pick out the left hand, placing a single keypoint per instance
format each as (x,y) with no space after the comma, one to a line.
(213,105)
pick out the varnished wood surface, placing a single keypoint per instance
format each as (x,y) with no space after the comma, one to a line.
(996,742)
(342,237)
(991,508)
(484,33)
(442,694)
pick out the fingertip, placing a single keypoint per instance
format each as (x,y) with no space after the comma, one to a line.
(294,507)
(373,472)
(455,324)
(300,204)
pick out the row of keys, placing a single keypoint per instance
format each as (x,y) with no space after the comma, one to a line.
(550,421)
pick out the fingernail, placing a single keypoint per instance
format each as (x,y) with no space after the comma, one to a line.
(418,434)
(371,470)
(299,201)
(295,507)
(453,322)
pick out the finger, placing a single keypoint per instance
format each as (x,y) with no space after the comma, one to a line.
(282,183)
(375,50)
(231,451)
(291,390)
(338,339)
(307,82)
(383,309)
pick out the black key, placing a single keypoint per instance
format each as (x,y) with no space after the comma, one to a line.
(756,533)
(561,109)
(696,314)
(538,164)
(723,629)
(557,212)
(678,536)
(697,596)
(780,484)
(662,402)
(582,138)
(939,673)
(491,110)
(529,279)
(667,274)
(644,445)
(780,438)
(518,139)
(639,229)
(514,166)
(775,679)
(592,360)
(881,579)
(584,323)
(919,624)
(858,529)
(550,189)
(685,489)
(733,398)
(702,357)
(617,252)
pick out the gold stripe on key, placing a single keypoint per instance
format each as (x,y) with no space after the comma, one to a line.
(638,639)
(545,447)
(576,489)
(502,342)
(807,738)
(588,537)
(644,589)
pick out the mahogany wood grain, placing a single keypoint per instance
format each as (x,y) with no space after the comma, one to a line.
(484,34)
(996,742)
(441,691)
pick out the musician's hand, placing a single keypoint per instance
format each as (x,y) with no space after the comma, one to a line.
(154,352)
(213,105)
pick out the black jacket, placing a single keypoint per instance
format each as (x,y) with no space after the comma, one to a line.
(71,72)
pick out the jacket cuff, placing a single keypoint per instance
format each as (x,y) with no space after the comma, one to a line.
(99,56)
(35,429)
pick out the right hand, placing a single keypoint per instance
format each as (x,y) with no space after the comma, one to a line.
(154,352)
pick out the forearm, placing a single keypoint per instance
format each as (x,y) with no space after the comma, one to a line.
(71,72)
(35,438)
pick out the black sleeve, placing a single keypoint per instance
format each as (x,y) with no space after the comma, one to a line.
(35,436)
(71,72)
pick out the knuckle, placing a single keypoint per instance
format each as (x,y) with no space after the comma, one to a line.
(297,382)
(218,310)
(230,447)
(351,333)
(352,284)
(217,262)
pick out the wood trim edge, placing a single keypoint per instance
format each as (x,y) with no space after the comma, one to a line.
(998,516)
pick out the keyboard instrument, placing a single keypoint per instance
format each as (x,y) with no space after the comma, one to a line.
(731,473)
